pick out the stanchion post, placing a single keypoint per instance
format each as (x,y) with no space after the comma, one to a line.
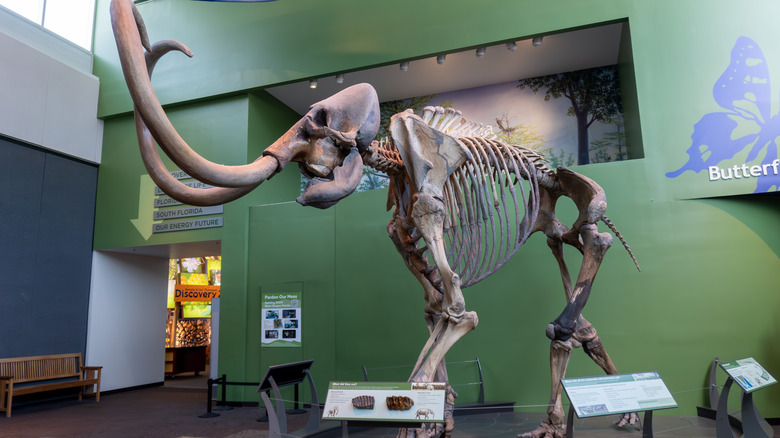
(208,413)
(223,406)
(481,396)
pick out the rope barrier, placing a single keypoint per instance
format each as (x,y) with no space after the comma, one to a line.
(410,366)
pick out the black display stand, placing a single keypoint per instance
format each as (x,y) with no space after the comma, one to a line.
(646,425)
(753,423)
(709,411)
(279,376)
(592,404)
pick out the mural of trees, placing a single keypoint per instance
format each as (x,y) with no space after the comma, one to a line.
(527,135)
(612,145)
(387,109)
(594,95)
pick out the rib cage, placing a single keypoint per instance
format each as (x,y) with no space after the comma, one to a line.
(486,222)
(490,211)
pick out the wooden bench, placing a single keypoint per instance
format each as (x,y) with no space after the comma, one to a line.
(29,375)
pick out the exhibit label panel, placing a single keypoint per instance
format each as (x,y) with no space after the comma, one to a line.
(385,401)
(748,373)
(281,316)
(618,394)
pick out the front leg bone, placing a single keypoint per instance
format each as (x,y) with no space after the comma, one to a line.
(428,215)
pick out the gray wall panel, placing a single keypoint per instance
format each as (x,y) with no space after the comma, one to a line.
(47,205)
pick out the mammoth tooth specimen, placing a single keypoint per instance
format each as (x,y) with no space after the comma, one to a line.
(399,403)
(363,402)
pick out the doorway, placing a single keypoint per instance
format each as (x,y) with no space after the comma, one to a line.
(128,314)
(193,284)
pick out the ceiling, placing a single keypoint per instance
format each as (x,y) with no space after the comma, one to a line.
(175,250)
(561,52)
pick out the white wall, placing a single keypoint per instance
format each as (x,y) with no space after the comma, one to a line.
(48,96)
(127,314)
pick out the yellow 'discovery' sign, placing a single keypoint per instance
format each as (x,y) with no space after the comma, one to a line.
(195,292)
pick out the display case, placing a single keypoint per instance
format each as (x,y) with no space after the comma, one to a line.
(185,360)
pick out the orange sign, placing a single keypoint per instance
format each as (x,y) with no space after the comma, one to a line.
(195,292)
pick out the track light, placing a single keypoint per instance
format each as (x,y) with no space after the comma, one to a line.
(340,78)
(537,41)
(440,59)
(480,52)
(404,66)
(511,46)
(313,83)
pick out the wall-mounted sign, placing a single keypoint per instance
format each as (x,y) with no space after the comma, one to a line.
(188,211)
(281,319)
(194,184)
(160,218)
(195,292)
(192,224)
(165,201)
(733,150)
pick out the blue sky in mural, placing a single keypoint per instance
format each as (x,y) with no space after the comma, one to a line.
(739,141)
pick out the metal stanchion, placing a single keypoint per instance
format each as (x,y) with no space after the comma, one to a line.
(209,414)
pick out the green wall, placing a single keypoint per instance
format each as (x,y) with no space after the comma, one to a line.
(710,267)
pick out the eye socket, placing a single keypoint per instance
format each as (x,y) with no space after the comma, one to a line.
(321,118)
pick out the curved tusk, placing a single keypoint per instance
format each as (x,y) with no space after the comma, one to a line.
(157,170)
(175,189)
(129,33)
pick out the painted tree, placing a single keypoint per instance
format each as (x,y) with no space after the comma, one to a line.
(612,145)
(594,95)
(526,134)
(387,109)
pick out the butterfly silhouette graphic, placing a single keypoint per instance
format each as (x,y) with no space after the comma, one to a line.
(746,122)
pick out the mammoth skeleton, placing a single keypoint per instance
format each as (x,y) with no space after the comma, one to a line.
(462,202)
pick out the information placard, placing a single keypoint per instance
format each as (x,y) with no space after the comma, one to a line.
(385,401)
(748,374)
(281,319)
(618,394)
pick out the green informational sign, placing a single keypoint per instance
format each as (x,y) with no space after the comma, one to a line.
(385,401)
(748,373)
(618,394)
(281,319)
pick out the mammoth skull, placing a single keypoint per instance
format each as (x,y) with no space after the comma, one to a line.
(326,142)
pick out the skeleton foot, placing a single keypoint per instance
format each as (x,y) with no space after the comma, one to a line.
(630,419)
(545,430)
(444,335)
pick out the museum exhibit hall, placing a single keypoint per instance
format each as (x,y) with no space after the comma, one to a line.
(276,218)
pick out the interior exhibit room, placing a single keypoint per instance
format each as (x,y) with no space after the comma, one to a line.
(670,107)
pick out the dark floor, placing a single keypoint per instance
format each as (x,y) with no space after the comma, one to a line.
(172,411)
